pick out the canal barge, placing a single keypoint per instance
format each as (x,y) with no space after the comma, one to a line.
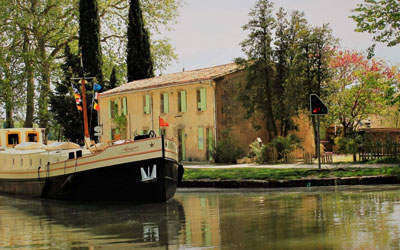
(141,170)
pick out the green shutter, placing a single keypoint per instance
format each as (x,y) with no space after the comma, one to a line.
(124,106)
(110,109)
(203,100)
(183,101)
(111,134)
(200,134)
(147,104)
(166,107)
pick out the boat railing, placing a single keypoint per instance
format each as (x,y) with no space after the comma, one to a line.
(33,159)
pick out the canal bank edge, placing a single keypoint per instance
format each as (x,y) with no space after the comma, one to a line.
(362,180)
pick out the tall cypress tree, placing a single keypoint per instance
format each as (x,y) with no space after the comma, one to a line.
(113,78)
(89,38)
(139,61)
(89,42)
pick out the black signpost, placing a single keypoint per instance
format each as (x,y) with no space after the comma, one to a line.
(317,108)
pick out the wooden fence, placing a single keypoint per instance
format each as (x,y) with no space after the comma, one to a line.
(379,150)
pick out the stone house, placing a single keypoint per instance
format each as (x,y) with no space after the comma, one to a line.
(198,105)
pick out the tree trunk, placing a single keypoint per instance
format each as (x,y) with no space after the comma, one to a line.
(8,99)
(44,87)
(30,89)
(9,112)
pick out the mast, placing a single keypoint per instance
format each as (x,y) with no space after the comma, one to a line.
(85,118)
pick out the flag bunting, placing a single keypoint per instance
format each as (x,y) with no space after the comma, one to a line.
(78,99)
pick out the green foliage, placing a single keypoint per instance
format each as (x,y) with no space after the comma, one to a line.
(62,101)
(259,152)
(113,79)
(347,145)
(89,38)
(139,60)
(285,145)
(281,145)
(226,150)
(287,60)
(158,16)
(380,18)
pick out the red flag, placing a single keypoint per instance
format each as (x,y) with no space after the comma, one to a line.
(163,123)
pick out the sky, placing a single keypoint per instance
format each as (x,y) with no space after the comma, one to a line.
(208,32)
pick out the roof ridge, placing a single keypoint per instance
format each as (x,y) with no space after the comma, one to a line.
(183,77)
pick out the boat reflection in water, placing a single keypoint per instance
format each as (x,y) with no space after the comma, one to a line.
(342,217)
(45,224)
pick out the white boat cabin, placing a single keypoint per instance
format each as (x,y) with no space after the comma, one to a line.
(9,137)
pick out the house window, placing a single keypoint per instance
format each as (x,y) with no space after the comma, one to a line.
(182,101)
(164,104)
(124,106)
(113,108)
(146,104)
(200,138)
(201,100)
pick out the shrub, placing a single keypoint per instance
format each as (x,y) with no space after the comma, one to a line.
(259,152)
(274,150)
(226,150)
(285,145)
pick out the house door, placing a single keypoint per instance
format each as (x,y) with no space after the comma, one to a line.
(182,146)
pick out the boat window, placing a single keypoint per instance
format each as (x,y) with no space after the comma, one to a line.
(32,136)
(12,139)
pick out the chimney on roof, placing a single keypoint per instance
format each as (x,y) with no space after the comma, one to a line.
(183,70)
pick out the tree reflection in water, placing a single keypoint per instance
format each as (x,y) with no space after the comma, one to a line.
(346,217)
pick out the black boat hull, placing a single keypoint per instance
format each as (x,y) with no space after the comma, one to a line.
(123,182)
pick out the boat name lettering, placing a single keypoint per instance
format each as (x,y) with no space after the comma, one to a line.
(130,148)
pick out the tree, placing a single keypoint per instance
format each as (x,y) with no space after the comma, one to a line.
(286,48)
(139,61)
(256,94)
(381,18)
(41,29)
(89,43)
(113,79)
(158,16)
(315,50)
(360,88)
(62,101)
(89,38)
(287,60)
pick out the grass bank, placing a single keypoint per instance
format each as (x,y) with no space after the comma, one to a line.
(284,173)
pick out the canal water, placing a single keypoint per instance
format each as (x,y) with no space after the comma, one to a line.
(344,217)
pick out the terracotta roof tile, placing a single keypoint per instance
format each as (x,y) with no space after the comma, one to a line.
(175,79)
